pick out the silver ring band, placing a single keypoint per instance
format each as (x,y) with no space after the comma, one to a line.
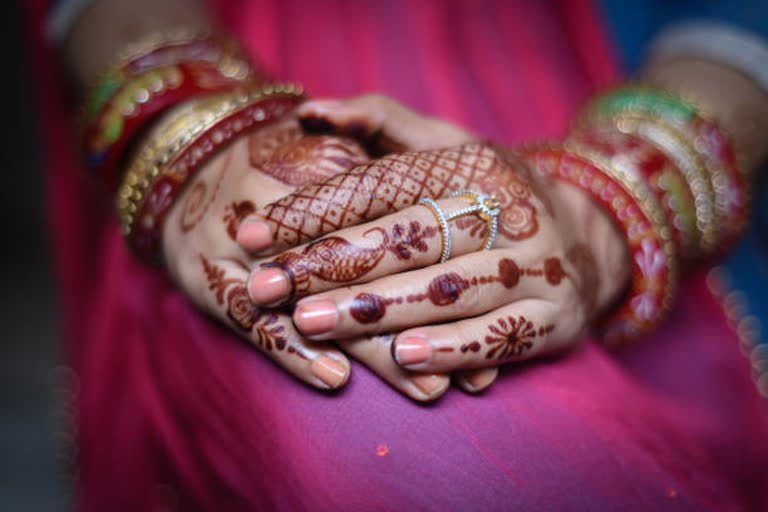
(443,221)
(485,206)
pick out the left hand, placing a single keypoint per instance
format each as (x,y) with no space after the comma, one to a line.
(557,261)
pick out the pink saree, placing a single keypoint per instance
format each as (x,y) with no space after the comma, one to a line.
(174,413)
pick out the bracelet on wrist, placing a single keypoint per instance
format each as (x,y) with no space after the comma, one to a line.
(701,149)
(635,156)
(185,142)
(637,213)
(153,75)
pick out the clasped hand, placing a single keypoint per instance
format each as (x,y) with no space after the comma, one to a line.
(304,244)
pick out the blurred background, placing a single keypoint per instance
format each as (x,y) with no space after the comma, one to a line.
(33,467)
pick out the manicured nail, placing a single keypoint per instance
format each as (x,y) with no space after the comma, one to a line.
(428,384)
(267,286)
(411,350)
(316,317)
(330,371)
(479,381)
(254,235)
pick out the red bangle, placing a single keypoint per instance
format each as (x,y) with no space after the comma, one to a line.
(638,215)
(604,142)
(165,170)
(138,101)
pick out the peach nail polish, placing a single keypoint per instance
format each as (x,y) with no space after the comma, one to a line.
(254,235)
(330,371)
(411,350)
(267,286)
(316,317)
(428,384)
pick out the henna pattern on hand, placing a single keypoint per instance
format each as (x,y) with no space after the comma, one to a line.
(232,293)
(283,152)
(510,337)
(234,214)
(446,289)
(583,260)
(399,180)
(336,260)
(198,198)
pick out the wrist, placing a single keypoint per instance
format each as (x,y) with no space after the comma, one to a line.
(596,235)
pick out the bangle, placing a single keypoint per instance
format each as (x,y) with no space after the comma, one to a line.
(148,81)
(687,130)
(188,140)
(637,157)
(639,216)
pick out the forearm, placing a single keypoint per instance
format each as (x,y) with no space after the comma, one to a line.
(106,26)
(733,99)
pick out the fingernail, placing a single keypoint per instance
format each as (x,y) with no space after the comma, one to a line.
(267,286)
(411,350)
(254,235)
(330,371)
(478,381)
(428,384)
(316,317)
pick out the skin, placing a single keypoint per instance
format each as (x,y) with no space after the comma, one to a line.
(214,243)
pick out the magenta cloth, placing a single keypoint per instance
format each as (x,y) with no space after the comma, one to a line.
(175,412)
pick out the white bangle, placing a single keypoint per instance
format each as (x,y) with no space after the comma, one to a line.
(724,43)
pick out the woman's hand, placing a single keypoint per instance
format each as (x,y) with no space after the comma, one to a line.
(202,255)
(558,259)
(199,246)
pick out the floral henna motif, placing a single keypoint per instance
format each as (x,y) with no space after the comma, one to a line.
(234,215)
(334,259)
(283,152)
(232,293)
(583,260)
(399,180)
(446,289)
(509,337)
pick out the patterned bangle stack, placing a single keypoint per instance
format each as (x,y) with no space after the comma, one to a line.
(636,210)
(151,76)
(667,175)
(186,141)
(697,145)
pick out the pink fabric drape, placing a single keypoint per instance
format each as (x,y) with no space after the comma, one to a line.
(175,412)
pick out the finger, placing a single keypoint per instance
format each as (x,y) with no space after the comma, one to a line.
(515,332)
(225,295)
(375,353)
(369,191)
(382,122)
(476,381)
(408,239)
(468,285)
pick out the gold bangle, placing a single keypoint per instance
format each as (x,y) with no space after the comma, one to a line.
(689,162)
(182,132)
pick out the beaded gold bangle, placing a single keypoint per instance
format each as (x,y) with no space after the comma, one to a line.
(163,165)
(640,217)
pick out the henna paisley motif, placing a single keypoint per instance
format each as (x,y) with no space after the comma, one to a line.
(336,260)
